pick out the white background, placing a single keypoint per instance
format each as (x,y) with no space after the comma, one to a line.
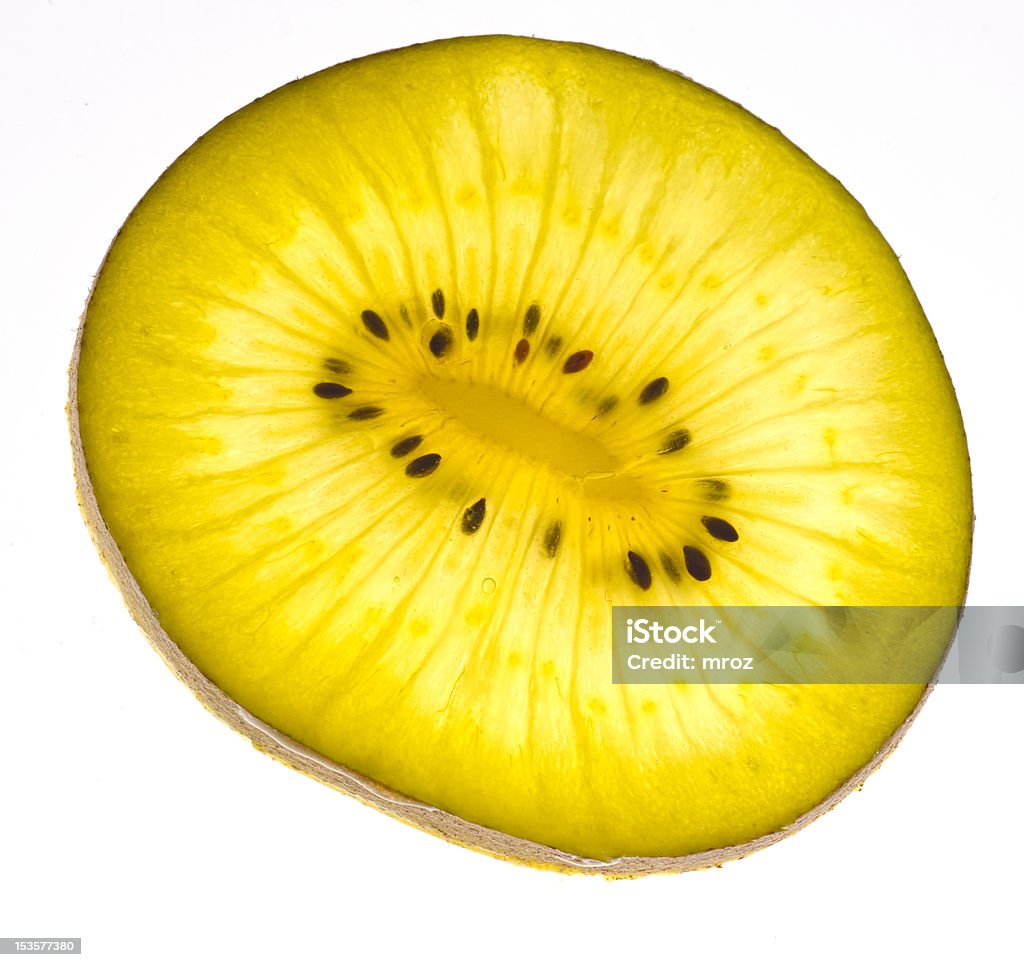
(132,818)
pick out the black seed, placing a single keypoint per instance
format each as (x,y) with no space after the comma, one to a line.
(336,366)
(607,405)
(404,447)
(473,517)
(375,324)
(553,345)
(441,341)
(472,324)
(671,568)
(552,538)
(675,441)
(654,389)
(331,391)
(638,570)
(522,350)
(578,361)
(697,565)
(720,529)
(365,413)
(531,320)
(423,466)
(715,489)
(437,302)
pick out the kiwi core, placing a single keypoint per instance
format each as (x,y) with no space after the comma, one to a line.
(499,419)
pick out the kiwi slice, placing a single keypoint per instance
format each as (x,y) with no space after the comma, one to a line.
(405,374)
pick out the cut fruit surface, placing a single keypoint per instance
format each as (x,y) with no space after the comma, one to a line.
(402,376)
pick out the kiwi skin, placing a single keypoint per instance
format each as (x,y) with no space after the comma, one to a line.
(412,812)
(420,815)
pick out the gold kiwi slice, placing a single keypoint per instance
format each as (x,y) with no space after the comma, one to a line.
(402,376)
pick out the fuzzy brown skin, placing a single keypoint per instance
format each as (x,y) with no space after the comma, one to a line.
(414,813)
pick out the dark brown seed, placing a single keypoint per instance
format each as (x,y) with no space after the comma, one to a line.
(331,391)
(675,441)
(607,405)
(404,313)
(404,447)
(473,517)
(653,390)
(578,361)
(697,564)
(553,345)
(441,341)
(423,466)
(671,568)
(552,538)
(531,320)
(720,529)
(437,303)
(522,350)
(336,366)
(365,413)
(472,324)
(715,490)
(375,324)
(638,570)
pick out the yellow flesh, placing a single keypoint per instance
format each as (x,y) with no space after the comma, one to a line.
(337,598)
